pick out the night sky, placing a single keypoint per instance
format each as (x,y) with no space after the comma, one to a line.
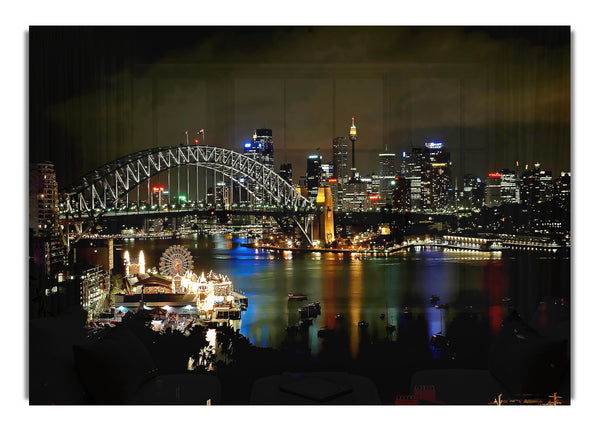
(493,95)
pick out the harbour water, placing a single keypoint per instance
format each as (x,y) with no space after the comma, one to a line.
(360,288)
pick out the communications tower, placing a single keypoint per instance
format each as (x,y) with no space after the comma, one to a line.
(353,137)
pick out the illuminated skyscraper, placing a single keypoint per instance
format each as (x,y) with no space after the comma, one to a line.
(43,200)
(285,172)
(314,174)
(436,181)
(493,195)
(260,148)
(509,187)
(473,191)
(327,171)
(387,164)
(47,251)
(415,164)
(355,195)
(536,186)
(562,190)
(502,188)
(401,194)
(340,159)
(387,177)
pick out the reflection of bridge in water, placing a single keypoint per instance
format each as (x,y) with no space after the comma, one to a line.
(144,183)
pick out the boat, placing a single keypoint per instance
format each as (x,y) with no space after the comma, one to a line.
(311,310)
(339,316)
(363,324)
(434,299)
(439,341)
(304,323)
(316,305)
(297,297)
(325,332)
(442,306)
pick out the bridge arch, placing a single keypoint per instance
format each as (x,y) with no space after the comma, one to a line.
(97,191)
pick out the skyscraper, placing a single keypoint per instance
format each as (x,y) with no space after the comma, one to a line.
(473,191)
(313,175)
(387,180)
(285,172)
(47,252)
(340,159)
(387,164)
(437,178)
(43,200)
(355,195)
(414,163)
(493,195)
(327,171)
(401,194)
(509,187)
(260,148)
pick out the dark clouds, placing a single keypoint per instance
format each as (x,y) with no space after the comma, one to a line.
(493,95)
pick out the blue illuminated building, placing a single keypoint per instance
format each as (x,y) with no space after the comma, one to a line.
(260,147)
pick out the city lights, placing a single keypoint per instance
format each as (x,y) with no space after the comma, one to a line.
(399,255)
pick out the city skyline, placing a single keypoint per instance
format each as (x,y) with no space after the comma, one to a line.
(190,185)
(492,95)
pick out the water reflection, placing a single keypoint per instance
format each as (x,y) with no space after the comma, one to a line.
(355,305)
(364,288)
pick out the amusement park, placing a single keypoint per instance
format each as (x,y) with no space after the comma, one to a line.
(174,295)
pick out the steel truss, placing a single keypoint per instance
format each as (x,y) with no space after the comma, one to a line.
(105,187)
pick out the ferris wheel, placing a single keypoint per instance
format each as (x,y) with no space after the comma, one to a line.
(176,260)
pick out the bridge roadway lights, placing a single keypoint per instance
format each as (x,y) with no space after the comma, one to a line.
(107,186)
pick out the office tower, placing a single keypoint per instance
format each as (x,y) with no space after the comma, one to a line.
(353,137)
(509,187)
(313,175)
(340,159)
(536,190)
(414,166)
(493,196)
(326,171)
(546,187)
(387,164)
(436,183)
(562,200)
(260,148)
(562,190)
(341,171)
(536,186)
(473,192)
(401,194)
(387,177)
(285,172)
(355,194)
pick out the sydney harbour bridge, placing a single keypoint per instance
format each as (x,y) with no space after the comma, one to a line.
(222,182)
